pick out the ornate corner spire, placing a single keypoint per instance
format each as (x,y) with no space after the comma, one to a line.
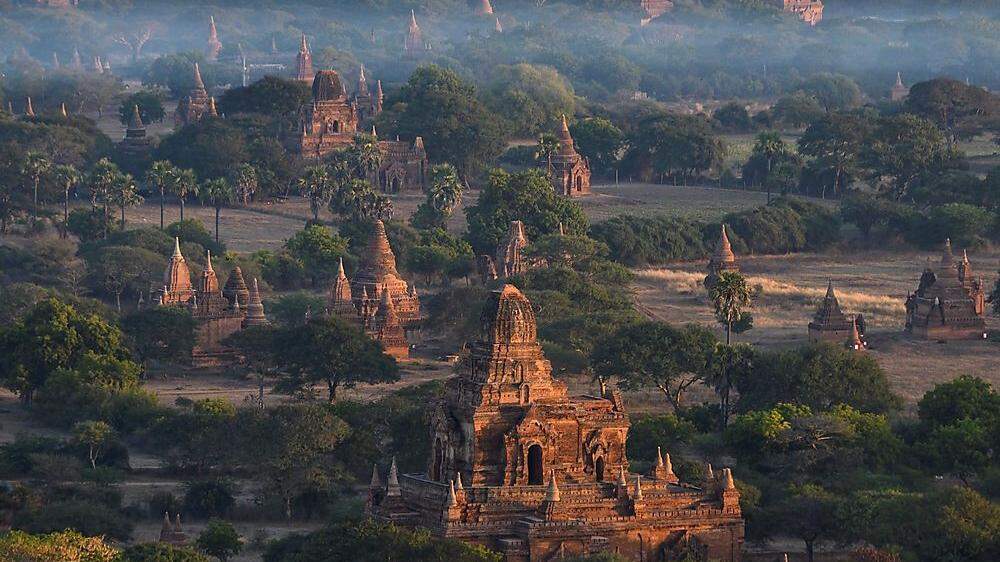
(198,82)
(177,248)
(638,487)
(392,486)
(452,498)
(375,481)
(552,494)
(29,110)
(458,482)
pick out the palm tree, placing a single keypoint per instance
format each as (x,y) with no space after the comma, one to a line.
(729,363)
(101,183)
(548,144)
(218,193)
(315,184)
(366,156)
(125,194)
(730,295)
(161,175)
(67,176)
(245,180)
(770,146)
(185,182)
(445,193)
(36,165)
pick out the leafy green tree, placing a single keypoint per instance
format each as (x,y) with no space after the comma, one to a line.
(525,196)
(438,105)
(443,196)
(67,177)
(903,148)
(210,147)
(10,178)
(218,193)
(819,376)
(184,183)
(116,269)
(36,167)
(797,110)
(319,250)
(94,435)
(600,141)
(246,181)
(316,185)
(678,146)
(729,364)
(365,157)
(548,145)
(371,541)
(330,351)
(209,498)
(770,148)
(731,295)
(161,177)
(577,252)
(270,96)
(161,333)
(102,182)
(220,539)
(65,545)
(150,107)
(530,97)
(51,337)
(835,92)
(160,552)
(961,110)
(734,117)
(808,512)
(290,449)
(656,355)
(836,142)
(125,194)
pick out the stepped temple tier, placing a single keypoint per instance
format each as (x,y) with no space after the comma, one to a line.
(219,313)
(949,303)
(377,299)
(519,466)
(196,105)
(569,172)
(332,120)
(833,326)
(724,259)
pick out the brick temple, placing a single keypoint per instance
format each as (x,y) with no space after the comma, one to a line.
(219,313)
(809,11)
(377,299)
(723,260)
(569,172)
(197,105)
(949,303)
(332,120)
(831,325)
(523,468)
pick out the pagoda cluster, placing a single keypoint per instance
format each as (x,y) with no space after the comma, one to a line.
(377,299)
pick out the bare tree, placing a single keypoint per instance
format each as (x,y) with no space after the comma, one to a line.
(135,40)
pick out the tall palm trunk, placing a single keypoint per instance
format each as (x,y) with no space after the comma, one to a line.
(161,208)
(218,210)
(65,224)
(34,204)
(182,208)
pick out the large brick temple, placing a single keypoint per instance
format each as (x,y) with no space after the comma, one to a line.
(949,303)
(332,120)
(520,467)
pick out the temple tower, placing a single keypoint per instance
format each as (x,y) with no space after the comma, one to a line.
(942,308)
(255,309)
(196,105)
(510,260)
(485,8)
(413,45)
(177,279)
(304,63)
(570,172)
(723,260)
(236,290)
(213,46)
(899,91)
(388,330)
(340,302)
(377,273)
(830,324)
(135,141)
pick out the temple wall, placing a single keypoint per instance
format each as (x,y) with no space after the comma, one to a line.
(836,337)
(210,334)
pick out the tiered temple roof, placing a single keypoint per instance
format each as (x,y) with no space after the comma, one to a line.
(387,329)
(377,272)
(255,309)
(570,173)
(135,141)
(413,45)
(177,278)
(519,466)
(197,103)
(943,308)
(830,324)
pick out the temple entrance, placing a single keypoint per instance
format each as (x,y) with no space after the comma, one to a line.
(438,461)
(579,183)
(536,472)
(599,469)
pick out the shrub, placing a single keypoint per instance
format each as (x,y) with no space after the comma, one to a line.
(212,498)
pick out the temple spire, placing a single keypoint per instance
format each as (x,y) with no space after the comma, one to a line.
(638,487)
(499,26)
(29,111)
(62,109)
(214,46)
(135,123)
(452,498)
(552,494)
(376,482)
(199,84)
(212,111)
(485,8)
(177,248)
(392,486)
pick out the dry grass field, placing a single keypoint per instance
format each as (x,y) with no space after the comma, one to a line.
(874,284)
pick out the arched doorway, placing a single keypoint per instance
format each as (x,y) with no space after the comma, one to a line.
(599,469)
(438,461)
(579,183)
(536,472)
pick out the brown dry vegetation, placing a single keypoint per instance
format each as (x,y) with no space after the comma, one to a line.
(874,284)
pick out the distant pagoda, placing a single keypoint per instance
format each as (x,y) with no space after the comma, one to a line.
(569,171)
(723,260)
(830,324)
(946,306)
(304,63)
(213,46)
(196,104)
